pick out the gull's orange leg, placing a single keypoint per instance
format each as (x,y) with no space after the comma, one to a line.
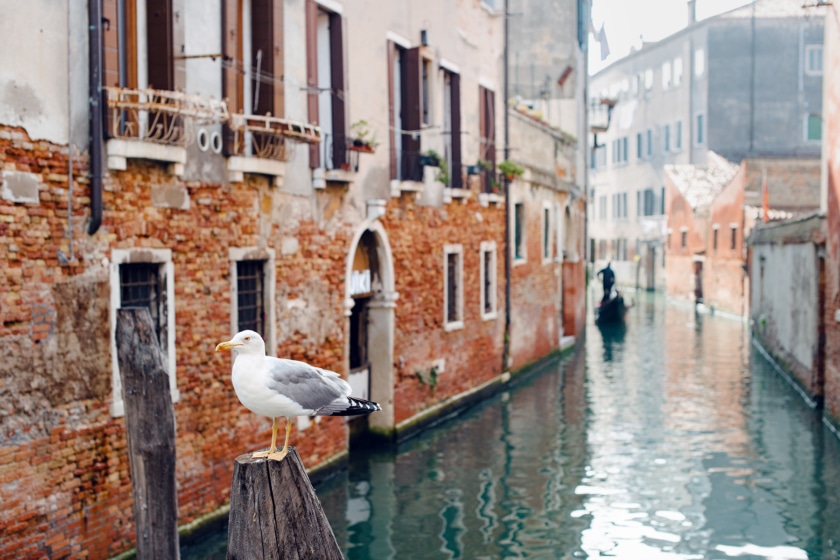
(279,456)
(273,448)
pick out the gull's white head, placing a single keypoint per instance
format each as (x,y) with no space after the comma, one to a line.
(245,342)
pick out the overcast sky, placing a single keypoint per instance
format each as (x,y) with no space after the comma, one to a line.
(626,22)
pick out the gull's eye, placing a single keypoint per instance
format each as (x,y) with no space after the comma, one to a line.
(247,338)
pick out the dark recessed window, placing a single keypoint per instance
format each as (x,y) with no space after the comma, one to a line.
(250,291)
(140,286)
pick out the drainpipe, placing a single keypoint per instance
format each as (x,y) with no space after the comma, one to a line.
(95,112)
(508,247)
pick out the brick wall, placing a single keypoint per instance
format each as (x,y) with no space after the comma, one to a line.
(679,260)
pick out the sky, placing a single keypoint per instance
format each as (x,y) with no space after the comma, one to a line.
(625,22)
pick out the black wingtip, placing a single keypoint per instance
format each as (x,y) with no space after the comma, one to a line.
(358,407)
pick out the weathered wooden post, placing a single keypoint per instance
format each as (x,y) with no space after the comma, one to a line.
(275,514)
(150,428)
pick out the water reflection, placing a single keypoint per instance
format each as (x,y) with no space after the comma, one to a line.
(671,438)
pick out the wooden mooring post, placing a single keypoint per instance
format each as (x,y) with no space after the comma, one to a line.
(150,429)
(275,514)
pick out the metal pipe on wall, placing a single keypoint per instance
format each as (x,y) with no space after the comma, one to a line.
(95,120)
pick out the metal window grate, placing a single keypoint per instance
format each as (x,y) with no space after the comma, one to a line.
(250,290)
(452,288)
(140,287)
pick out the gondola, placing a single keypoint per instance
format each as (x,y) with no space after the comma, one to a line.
(611,310)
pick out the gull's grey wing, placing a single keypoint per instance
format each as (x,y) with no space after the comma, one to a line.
(309,386)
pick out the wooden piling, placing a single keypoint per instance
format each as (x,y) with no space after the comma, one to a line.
(275,514)
(150,429)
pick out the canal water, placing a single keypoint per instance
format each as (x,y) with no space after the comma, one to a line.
(670,438)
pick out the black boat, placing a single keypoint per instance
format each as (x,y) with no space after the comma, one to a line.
(611,310)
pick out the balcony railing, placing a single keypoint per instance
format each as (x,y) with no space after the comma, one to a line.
(331,142)
(158,116)
(267,137)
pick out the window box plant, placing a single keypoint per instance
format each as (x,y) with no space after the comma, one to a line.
(364,140)
(510,170)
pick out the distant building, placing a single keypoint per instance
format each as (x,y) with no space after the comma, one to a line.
(744,84)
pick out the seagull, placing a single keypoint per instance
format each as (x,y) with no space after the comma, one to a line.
(276,387)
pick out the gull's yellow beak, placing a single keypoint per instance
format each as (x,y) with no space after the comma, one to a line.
(227,345)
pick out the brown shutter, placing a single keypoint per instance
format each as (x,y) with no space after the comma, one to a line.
(262,101)
(110,43)
(179,65)
(339,112)
(456,173)
(232,59)
(482,137)
(391,49)
(312,76)
(159,44)
(490,123)
(411,115)
(277,37)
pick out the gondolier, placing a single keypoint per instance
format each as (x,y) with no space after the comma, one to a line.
(608,280)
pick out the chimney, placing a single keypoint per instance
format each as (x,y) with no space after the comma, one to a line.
(692,12)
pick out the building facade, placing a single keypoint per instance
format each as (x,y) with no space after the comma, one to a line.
(323,172)
(746,83)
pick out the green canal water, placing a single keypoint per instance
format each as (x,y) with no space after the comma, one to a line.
(670,438)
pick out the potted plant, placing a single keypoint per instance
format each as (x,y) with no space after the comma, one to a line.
(510,170)
(430,159)
(364,140)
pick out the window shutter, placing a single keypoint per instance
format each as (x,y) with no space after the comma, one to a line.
(312,75)
(411,116)
(339,110)
(232,63)
(110,44)
(456,174)
(490,123)
(392,136)
(277,68)
(179,65)
(159,44)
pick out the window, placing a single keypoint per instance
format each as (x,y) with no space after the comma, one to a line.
(699,62)
(733,242)
(488,280)
(143,278)
(519,229)
(546,235)
(683,238)
(649,201)
(639,146)
(666,75)
(814,60)
(405,112)
(678,135)
(813,128)
(487,134)
(138,51)
(602,207)
(662,201)
(666,138)
(638,203)
(715,237)
(325,85)
(648,78)
(252,287)
(649,142)
(678,69)
(700,139)
(250,296)
(453,308)
(452,127)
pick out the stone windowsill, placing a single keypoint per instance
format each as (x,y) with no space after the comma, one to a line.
(321,176)
(486,199)
(238,166)
(120,151)
(449,194)
(399,187)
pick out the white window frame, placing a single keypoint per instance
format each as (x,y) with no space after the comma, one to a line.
(808,50)
(237,254)
(450,249)
(523,253)
(666,74)
(485,248)
(163,258)
(699,62)
(648,78)
(547,239)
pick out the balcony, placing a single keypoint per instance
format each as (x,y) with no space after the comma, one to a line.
(261,144)
(155,124)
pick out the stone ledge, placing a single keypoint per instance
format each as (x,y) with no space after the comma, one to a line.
(238,166)
(120,151)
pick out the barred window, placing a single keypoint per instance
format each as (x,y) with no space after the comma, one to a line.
(140,286)
(250,290)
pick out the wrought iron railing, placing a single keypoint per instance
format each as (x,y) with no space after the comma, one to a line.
(162,117)
(267,136)
(331,142)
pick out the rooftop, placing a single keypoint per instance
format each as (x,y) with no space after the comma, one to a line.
(700,185)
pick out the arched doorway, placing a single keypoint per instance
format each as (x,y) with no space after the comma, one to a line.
(369,306)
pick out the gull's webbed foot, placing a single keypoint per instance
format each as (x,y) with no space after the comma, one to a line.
(278,456)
